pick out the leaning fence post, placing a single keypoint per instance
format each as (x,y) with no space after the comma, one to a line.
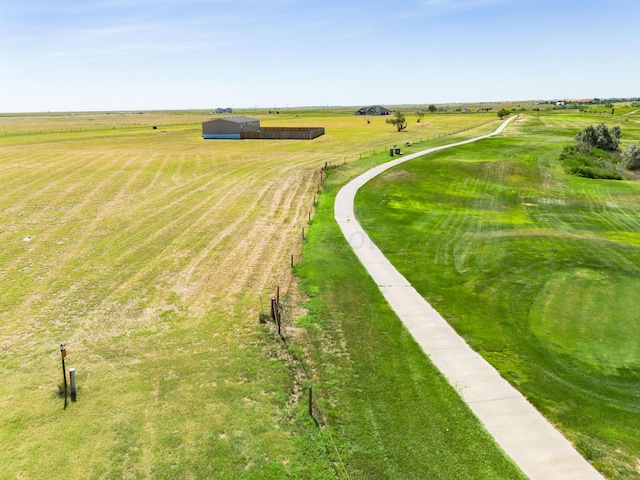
(310,400)
(273,309)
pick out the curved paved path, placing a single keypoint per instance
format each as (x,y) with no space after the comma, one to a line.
(522,432)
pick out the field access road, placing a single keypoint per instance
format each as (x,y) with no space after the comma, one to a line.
(524,434)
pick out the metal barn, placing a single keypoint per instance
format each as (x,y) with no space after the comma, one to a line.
(229,127)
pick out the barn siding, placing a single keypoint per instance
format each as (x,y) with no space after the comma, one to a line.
(224,126)
(284,133)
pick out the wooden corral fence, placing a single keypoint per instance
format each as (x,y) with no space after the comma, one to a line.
(284,133)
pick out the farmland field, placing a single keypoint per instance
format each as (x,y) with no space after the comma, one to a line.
(536,269)
(151,253)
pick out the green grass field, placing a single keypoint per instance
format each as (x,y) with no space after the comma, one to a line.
(536,269)
(391,413)
(150,254)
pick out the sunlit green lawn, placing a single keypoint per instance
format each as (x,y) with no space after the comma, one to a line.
(537,270)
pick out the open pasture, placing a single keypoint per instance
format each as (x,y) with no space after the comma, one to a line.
(565,125)
(148,252)
(536,269)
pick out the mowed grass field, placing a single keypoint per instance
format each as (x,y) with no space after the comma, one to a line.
(148,253)
(391,413)
(537,270)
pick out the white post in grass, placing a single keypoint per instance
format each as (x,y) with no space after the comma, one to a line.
(72,381)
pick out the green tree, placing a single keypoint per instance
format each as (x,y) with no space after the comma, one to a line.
(586,139)
(606,141)
(503,112)
(420,115)
(599,137)
(398,120)
(616,132)
(432,108)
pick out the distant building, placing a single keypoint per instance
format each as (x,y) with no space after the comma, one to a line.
(229,127)
(559,104)
(224,110)
(373,110)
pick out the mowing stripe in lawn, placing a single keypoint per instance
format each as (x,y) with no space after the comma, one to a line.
(524,434)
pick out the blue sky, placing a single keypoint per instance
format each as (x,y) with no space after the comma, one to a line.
(72,55)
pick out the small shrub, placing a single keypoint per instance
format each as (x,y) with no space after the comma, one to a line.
(593,163)
(631,157)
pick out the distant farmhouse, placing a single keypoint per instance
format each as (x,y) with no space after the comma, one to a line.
(373,110)
(249,128)
(224,110)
